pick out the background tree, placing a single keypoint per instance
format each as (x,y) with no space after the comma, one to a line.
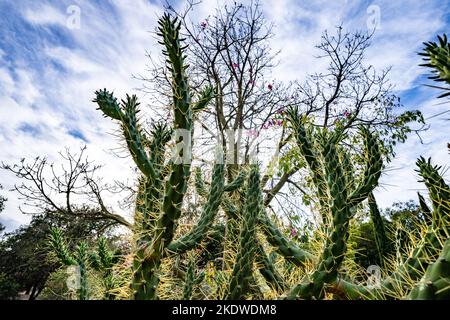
(2,206)
(73,190)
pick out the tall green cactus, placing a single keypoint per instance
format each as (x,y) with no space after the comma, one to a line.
(336,198)
(163,183)
(242,275)
(338,187)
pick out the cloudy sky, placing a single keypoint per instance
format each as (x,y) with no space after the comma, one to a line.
(55,54)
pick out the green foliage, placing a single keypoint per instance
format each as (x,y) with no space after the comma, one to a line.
(9,289)
(2,206)
(82,259)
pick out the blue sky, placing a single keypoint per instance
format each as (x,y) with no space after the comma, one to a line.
(50,67)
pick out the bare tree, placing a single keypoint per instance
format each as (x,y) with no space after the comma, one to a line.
(46,188)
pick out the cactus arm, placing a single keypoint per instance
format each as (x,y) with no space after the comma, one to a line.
(206,95)
(169,31)
(227,204)
(439,191)
(200,183)
(289,250)
(229,207)
(134,137)
(378,225)
(242,274)
(195,236)
(435,284)
(427,213)
(304,144)
(236,183)
(59,246)
(307,150)
(335,247)
(161,135)
(348,168)
(372,170)
(189,281)
(108,104)
(268,270)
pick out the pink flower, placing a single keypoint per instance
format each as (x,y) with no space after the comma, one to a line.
(269,86)
(293,232)
(280,122)
(346,114)
(203,24)
(253,133)
(234,65)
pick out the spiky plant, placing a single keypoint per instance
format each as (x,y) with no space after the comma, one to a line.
(242,275)
(381,238)
(437,57)
(424,253)
(191,279)
(79,258)
(336,197)
(103,261)
(164,182)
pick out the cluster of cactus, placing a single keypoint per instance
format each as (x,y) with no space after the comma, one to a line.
(340,187)
(101,260)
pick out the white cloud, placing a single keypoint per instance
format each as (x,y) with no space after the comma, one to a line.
(45,15)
